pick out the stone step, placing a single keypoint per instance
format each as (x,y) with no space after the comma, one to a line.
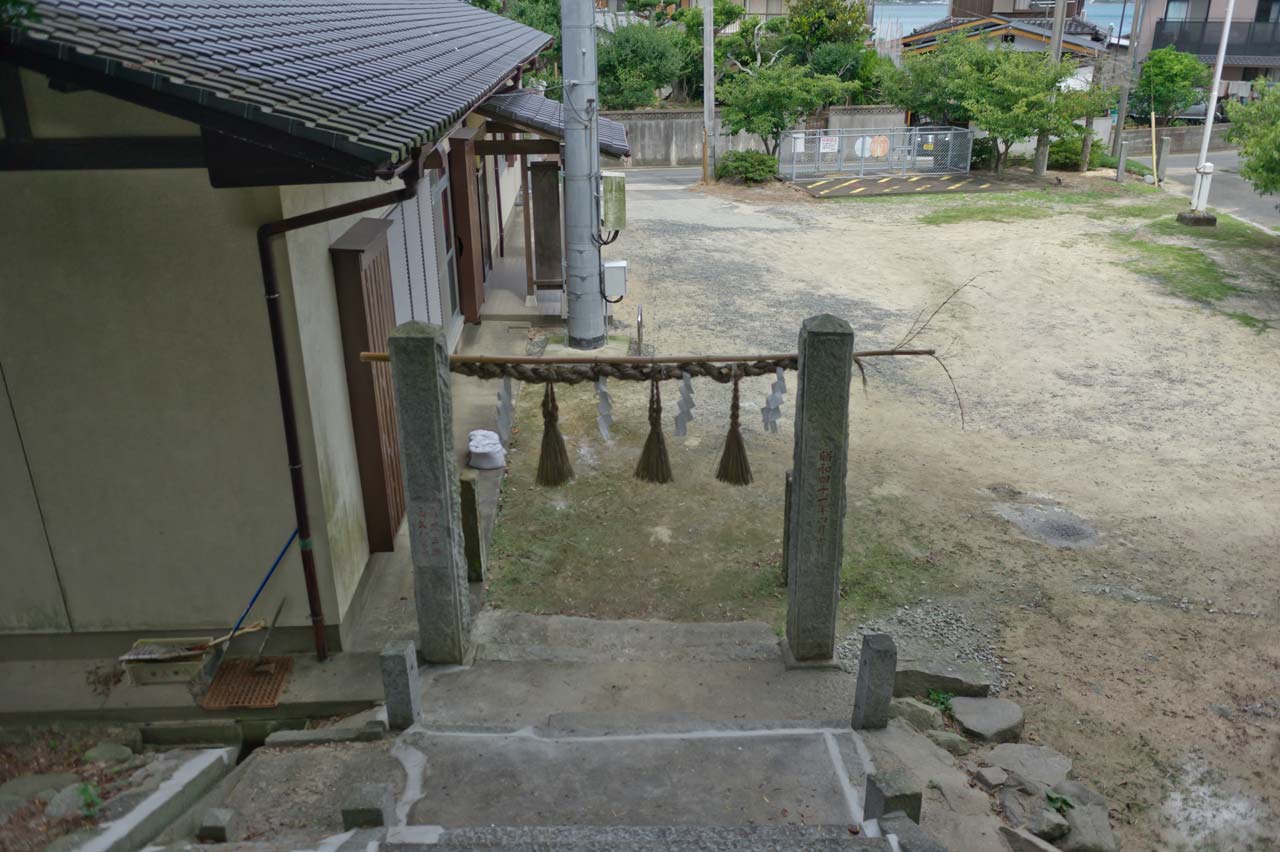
(747,838)
(505,636)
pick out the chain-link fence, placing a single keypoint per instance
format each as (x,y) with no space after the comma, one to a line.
(875,151)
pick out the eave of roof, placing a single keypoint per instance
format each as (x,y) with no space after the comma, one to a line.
(542,115)
(368,80)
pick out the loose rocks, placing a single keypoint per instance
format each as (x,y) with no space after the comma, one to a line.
(921,716)
(990,777)
(916,678)
(1035,762)
(994,720)
(1025,806)
(108,753)
(950,741)
(66,802)
(28,787)
(1089,827)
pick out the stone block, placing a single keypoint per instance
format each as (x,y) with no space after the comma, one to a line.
(1087,820)
(874,690)
(1021,840)
(815,540)
(993,720)
(893,790)
(106,752)
(369,806)
(911,837)
(1038,763)
(917,678)
(1025,805)
(990,777)
(69,801)
(950,741)
(324,736)
(921,716)
(40,786)
(219,825)
(401,687)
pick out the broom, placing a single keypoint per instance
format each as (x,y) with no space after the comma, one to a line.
(654,465)
(734,469)
(553,460)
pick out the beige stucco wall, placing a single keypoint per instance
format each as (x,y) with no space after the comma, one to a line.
(337,477)
(137,357)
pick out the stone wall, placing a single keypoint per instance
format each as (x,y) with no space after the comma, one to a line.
(673,137)
(1186,140)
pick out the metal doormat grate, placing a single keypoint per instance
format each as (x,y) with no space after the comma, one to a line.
(247,684)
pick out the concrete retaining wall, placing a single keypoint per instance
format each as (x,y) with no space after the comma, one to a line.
(1186,140)
(673,137)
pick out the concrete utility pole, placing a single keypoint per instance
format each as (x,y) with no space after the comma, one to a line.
(1135,36)
(1204,170)
(708,88)
(1055,50)
(581,176)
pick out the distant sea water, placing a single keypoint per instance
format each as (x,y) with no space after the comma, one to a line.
(913,15)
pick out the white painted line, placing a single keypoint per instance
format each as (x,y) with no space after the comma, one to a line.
(414,763)
(529,733)
(118,829)
(850,794)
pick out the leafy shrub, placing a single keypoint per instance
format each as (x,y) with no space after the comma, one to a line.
(747,166)
(1106,161)
(983,155)
(634,62)
(1064,153)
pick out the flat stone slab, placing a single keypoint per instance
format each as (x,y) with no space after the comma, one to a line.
(950,742)
(993,720)
(921,716)
(27,787)
(917,676)
(1038,763)
(1088,822)
(738,838)
(708,778)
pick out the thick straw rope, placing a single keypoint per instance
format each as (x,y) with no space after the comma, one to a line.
(573,374)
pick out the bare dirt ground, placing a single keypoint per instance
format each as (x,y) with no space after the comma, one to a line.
(1143,640)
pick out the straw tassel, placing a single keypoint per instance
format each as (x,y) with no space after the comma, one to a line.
(734,469)
(654,465)
(553,461)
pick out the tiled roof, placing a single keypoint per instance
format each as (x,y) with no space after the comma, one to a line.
(1075,26)
(536,112)
(371,78)
(919,38)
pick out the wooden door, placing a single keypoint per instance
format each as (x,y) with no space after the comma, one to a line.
(366,315)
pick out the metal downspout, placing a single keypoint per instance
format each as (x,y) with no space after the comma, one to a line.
(271,285)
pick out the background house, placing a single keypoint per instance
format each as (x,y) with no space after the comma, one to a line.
(1195,26)
(145,478)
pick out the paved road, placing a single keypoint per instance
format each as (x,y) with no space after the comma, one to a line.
(1229,193)
(842,185)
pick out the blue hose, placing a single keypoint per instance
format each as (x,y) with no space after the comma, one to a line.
(264,582)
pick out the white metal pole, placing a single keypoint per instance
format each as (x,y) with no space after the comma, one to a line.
(708,88)
(585,301)
(1199,195)
(1135,37)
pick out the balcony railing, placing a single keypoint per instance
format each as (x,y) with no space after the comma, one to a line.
(1247,38)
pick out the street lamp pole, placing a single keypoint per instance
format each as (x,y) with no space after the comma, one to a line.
(1204,170)
(708,87)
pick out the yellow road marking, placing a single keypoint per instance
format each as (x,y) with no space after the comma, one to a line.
(945,177)
(983,186)
(922,188)
(820,183)
(960,184)
(888,189)
(884,180)
(914,179)
(856,191)
(838,186)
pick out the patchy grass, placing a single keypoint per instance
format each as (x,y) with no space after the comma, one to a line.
(1249,321)
(1186,271)
(1229,231)
(985,212)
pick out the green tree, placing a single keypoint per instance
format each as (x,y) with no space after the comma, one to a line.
(932,85)
(688,40)
(1256,126)
(818,22)
(16,11)
(541,15)
(1014,95)
(772,100)
(633,62)
(1170,82)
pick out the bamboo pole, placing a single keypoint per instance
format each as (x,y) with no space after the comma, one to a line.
(635,360)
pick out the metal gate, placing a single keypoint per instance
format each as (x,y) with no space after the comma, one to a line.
(875,151)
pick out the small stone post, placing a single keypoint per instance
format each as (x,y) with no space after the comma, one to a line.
(1124,157)
(816,520)
(424,411)
(401,688)
(1166,142)
(877,667)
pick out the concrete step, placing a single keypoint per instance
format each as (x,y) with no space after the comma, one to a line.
(502,635)
(738,838)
